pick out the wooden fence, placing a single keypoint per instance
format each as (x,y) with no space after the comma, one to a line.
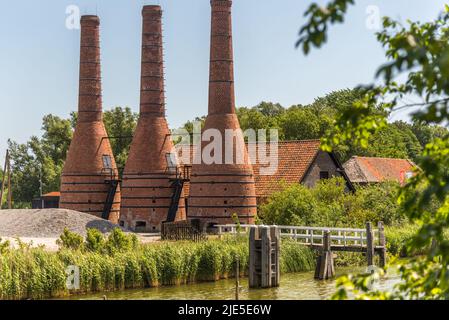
(183,230)
(313,236)
(369,241)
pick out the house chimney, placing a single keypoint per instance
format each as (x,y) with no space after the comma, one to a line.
(218,191)
(90,167)
(148,184)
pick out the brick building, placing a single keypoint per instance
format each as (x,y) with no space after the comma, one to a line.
(89,181)
(220,190)
(149,188)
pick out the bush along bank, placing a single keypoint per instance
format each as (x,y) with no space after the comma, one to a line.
(119,262)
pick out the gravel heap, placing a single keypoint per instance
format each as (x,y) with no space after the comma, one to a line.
(49,223)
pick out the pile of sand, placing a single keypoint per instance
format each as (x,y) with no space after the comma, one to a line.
(49,223)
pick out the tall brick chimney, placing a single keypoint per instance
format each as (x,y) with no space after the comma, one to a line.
(218,191)
(90,169)
(147,189)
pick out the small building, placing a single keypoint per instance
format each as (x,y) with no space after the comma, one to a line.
(369,170)
(47,201)
(300,161)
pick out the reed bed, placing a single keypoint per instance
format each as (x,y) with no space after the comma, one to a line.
(34,273)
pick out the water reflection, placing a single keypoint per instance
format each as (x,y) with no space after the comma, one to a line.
(296,286)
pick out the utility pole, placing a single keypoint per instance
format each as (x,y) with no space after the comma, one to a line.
(4,178)
(9,186)
(40,187)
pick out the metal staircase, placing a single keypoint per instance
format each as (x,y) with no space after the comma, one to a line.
(113,184)
(178,186)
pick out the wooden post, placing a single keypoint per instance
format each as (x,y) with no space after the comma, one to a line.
(275,259)
(266,257)
(325,264)
(382,244)
(369,244)
(9,185)
(3,178)
(237,278)
(253,259)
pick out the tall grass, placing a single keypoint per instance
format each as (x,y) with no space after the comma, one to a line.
(33,273)
(397,239)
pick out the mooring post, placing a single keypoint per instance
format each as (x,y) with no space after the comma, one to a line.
(265,236)
(276,247)
(369,244)
(264,267)
(325,263)
(382,244)
(237,278)
(3,179)
(254,258)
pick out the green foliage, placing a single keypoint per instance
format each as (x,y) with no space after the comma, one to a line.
(70,240)
(94,241)
(328,204)
(399,238)
(119,241)
(295,258)
(30,273)
(314,32)
(120,124)
(4,246)
(417,53)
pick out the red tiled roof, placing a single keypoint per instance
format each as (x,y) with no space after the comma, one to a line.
(294,159)
(374,170)
(52,194)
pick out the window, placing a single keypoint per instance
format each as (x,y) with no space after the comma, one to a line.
(107,162)
(172,162)
(324,175)
(408,175)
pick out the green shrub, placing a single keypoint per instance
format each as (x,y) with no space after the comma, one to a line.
(4,246)
(119,241)
(94,240)
(70,240)
(398,238)
(329,204)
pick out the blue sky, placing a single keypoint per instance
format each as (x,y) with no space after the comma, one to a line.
(39,55)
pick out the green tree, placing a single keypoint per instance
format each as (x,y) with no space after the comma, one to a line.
(270,109)
(419,53)
(411,142)
(120,124)
(427,133)
(300,123)
(24,174)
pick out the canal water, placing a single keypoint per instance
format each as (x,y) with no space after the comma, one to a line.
(294,286)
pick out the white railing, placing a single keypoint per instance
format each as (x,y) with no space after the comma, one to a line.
(309,235)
